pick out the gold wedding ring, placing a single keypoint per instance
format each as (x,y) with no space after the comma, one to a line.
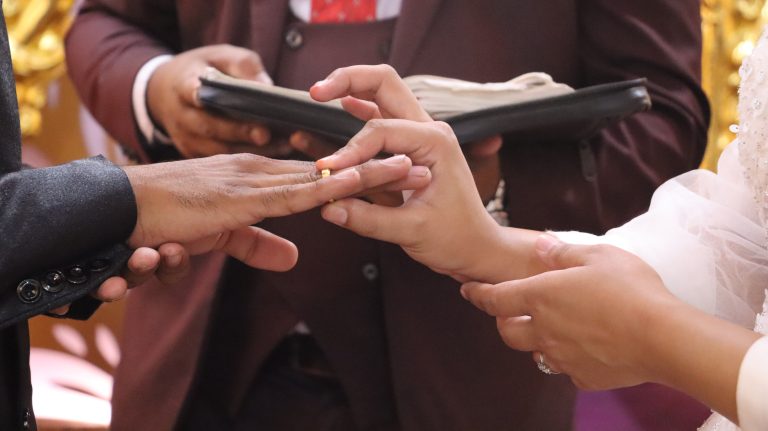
(325,173)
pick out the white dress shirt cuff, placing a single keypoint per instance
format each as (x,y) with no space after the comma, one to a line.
(139,100)
(752,388)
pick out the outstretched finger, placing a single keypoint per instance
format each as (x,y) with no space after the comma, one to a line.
(424,143)
(285,199)
(380,84)
(373,221)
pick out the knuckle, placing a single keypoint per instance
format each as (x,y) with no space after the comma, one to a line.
(247,160)
(388,71)
(223,46)
(376,124)
(444,129)
(600,249)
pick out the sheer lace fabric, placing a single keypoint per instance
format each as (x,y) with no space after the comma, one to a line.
(705,233)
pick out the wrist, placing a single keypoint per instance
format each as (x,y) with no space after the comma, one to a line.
(146,121)
(135,176)
(652,348)
(496,251)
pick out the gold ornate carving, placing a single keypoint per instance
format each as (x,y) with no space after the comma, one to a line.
(731,28)
(36,30)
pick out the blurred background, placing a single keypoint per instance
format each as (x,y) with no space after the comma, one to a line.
(72,361)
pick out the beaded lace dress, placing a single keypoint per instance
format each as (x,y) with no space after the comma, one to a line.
(752,143)
(706,234)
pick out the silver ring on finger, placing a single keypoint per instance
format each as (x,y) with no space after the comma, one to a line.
(543,367)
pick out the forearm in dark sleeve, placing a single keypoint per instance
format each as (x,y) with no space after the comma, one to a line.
(106,46)
(59,219)
(659,40)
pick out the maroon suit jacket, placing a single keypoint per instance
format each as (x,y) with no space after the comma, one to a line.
(410,352)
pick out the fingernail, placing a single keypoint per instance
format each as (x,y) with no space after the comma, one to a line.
(419,171)
(299,142)
(394,161)
(463,292)
(174,260)
(325,162)
(321,83)
(335,214)
(264,78)
(545,243)
(258,136)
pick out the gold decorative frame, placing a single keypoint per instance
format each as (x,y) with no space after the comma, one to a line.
(731,28)
(36,30)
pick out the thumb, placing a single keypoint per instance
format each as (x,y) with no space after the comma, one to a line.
(556,254)
(240,63)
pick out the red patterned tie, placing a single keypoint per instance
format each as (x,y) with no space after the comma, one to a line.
(329,11)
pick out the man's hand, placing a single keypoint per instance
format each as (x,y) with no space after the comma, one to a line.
(210,203)
(173,104)
(483,159)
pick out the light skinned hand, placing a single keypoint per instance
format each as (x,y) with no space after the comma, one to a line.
(173,104)
(443,225)
(210,203)
(591,317)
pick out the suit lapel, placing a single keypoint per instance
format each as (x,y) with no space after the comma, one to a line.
(412,26)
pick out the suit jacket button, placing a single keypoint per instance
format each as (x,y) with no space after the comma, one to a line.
(54,282)
(370,271)
(29,291)
(294,39)
(26,419)
(76,275)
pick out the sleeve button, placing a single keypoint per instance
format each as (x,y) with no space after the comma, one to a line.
(77,275)
(99,265)
(370,271)
(29,291)
(54,282)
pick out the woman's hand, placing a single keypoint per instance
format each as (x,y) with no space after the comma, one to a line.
(592,317)
(443,225)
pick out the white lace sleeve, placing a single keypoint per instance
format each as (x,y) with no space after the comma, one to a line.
(703,235)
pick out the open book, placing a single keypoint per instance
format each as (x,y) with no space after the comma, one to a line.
(531,107)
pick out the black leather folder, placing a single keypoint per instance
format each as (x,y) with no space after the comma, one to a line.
(570,117)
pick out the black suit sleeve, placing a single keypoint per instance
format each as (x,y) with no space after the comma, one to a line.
(62,230)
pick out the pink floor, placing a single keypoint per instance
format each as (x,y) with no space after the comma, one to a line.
(643,408)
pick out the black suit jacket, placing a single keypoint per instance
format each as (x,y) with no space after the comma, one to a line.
(61,230)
